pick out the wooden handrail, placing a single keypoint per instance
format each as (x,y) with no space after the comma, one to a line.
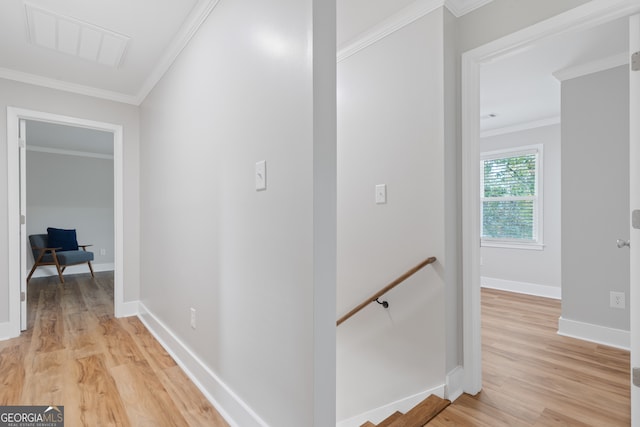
(386,289)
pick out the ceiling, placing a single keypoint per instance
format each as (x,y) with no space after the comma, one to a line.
(521,89)
(156,31)
(49,42)
(517,89)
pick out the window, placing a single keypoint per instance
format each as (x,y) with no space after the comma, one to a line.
(511,199)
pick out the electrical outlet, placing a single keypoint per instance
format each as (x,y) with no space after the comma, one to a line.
(616,299)
(103,251)
(193,317)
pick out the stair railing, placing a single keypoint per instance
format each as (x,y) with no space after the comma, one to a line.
(375,297)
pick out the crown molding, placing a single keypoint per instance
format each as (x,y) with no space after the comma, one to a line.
(76,153)
(398,20)
(402,18)
(193,22)
(592,67)
(462,7)
(36,80)
(521,127)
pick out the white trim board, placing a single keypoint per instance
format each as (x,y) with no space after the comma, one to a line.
(403,405)
(604,335)
(521,127)
(545,291)
(454,384)
(393,23)
(401,19)
(232,408)
(462,7)
(588,15)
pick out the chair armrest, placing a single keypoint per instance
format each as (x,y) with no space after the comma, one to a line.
(84,247)
(47,249)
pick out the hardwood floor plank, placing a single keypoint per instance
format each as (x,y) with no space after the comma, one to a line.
(137,382)
(44,379)
(552,418)
(12,372)
(158,358)
(195,408)
(104,371)
(119,344)
(100,402)
(532,376)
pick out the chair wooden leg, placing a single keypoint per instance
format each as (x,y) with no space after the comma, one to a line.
(55,259)
(91,269)
(35,265)
(31,272)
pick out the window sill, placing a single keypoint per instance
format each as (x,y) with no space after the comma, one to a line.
(512,245)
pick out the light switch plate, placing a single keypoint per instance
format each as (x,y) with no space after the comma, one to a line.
(261,175)
(381,194)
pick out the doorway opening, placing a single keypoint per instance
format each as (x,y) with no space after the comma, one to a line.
(578,19)
(18,244)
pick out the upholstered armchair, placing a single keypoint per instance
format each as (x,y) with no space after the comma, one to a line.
(60,248)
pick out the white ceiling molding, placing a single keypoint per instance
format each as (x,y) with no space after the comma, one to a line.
(193,22)
(400,19)
(36,80)
(521,126)
(462,7)
(403,17)
(592,67)
(68,152)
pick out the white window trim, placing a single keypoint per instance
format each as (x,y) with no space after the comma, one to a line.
(538,223)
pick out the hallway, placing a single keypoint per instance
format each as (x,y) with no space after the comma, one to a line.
(103,370)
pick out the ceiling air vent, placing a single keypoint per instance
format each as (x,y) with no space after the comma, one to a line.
(74,37)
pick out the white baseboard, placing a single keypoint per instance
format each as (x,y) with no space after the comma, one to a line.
(233,409)
(402,405)
(7,331)
(128,308)
(617,338)
(454,386)
(546,291)
(48,271)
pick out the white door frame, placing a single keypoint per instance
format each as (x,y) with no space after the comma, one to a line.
(583,17)
(15,274)
(634,203)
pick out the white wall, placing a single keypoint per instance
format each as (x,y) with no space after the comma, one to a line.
(66,191)
(521,267)
(391,131)
(52,101)
(595,196)
(245,89)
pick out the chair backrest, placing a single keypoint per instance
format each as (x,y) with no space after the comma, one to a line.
(38,241)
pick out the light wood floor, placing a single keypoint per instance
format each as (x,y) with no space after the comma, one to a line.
(105,371)
(534,377)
